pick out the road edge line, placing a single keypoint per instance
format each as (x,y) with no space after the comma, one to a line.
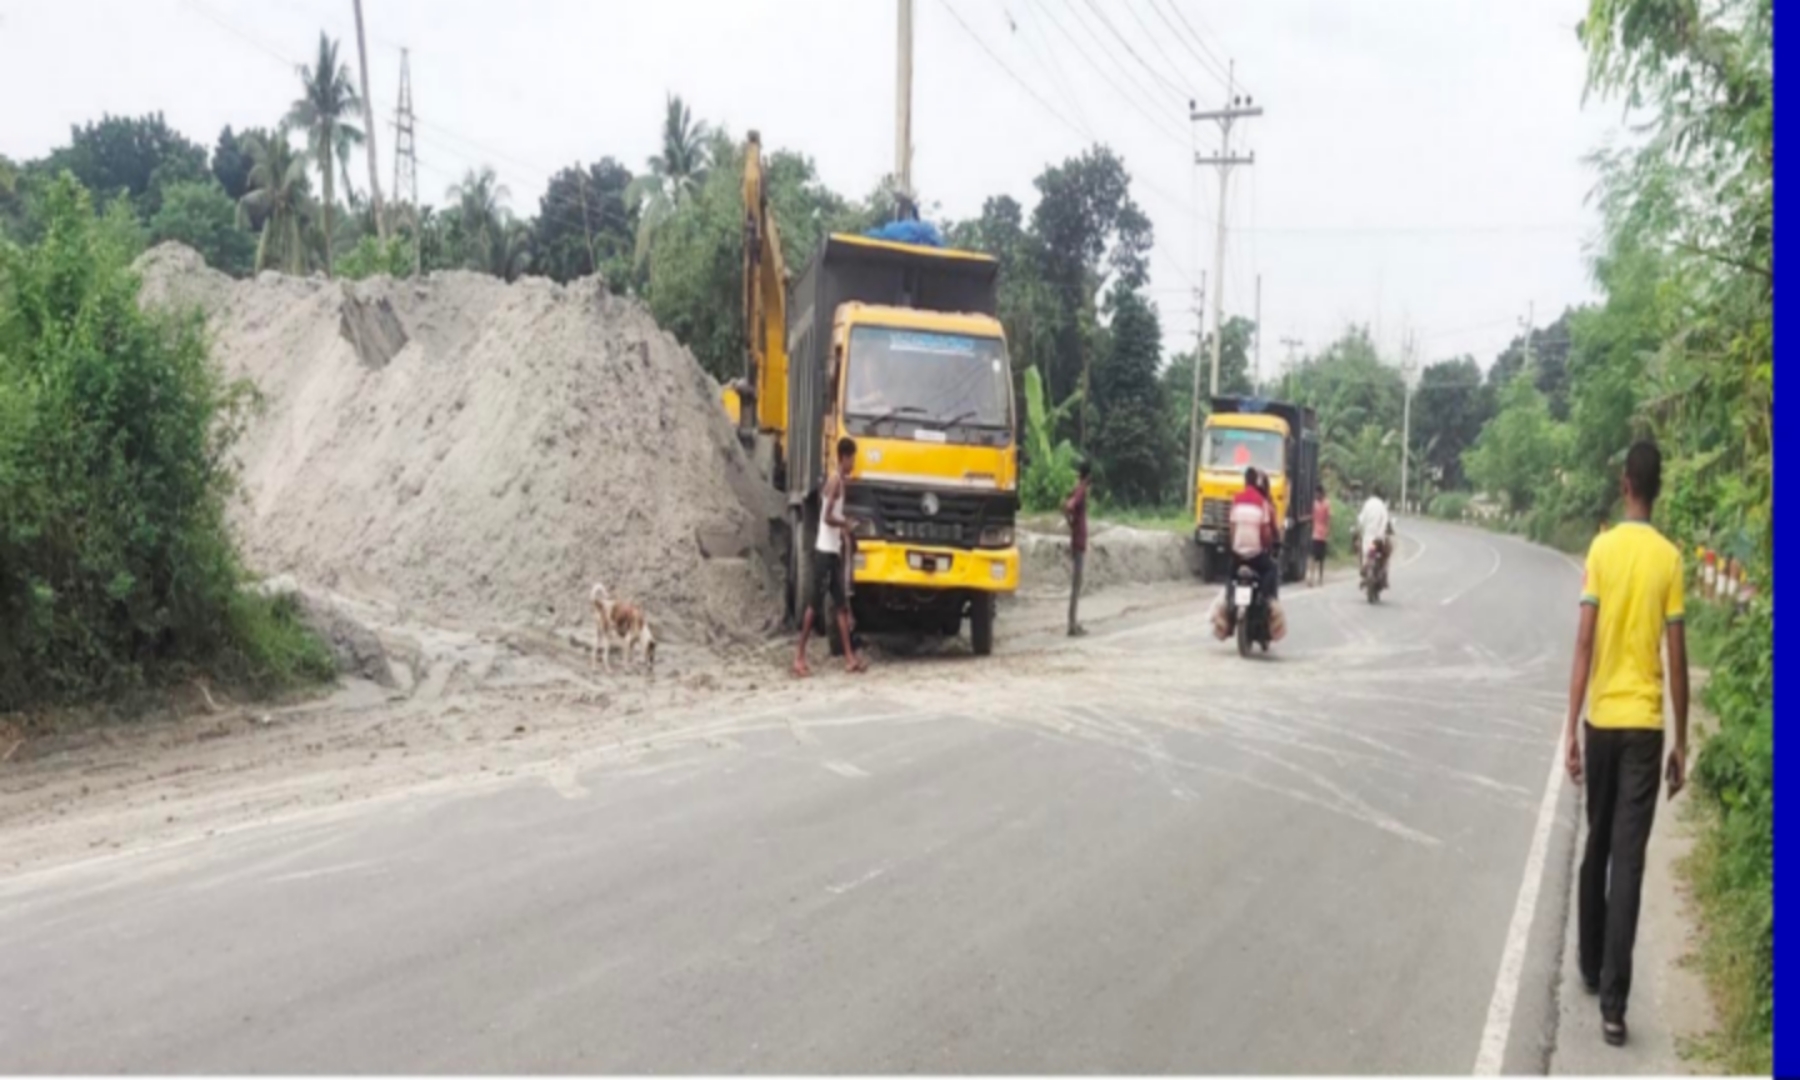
(1498,1030)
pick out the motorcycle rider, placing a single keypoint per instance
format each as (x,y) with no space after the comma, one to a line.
(1374,529)
(1254,533)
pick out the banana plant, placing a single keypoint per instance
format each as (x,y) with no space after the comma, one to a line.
(1049,464)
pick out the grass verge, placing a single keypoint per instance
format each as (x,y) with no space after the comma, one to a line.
(1733,918)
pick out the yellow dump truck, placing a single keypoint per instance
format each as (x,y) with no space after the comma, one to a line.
(897,346)
(1279,439)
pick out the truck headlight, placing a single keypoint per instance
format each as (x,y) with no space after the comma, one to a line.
(997,536)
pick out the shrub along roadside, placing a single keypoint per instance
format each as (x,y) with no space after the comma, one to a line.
(1733,864)
(116,567)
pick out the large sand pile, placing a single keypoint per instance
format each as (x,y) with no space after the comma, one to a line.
(483,451)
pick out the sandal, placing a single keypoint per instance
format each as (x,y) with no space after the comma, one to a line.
(1614,1032)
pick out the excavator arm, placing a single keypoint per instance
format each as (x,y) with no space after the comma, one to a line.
(759,401)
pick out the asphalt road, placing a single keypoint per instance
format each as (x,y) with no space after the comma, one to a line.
(1134,853)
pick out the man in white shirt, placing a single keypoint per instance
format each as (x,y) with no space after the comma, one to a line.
(1373,526)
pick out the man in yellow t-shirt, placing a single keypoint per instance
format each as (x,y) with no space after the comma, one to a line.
(1631,601)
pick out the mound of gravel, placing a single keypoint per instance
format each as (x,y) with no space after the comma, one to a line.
(483,451)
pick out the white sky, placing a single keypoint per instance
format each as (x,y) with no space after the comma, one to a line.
(1419,163)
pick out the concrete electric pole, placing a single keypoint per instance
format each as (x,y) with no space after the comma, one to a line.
(1257,361)
(1193,478)
(1236,108)
(903,107)
(1408,369)
(362,56)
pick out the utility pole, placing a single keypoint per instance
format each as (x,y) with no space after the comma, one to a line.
(1530,321)
(1236,108)
(1193,478)
(903,107)
(1258,359)
(1293,346)
(406,161)
(362,56)
(1408,366)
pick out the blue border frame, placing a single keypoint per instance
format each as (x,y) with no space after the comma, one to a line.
(1787,354)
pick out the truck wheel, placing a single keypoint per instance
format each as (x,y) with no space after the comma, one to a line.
(981,624)
(800,566)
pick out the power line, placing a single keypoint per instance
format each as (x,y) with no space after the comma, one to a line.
(1087,54)
(1229,81)
(1054,74)
(1206,65)
(1156,41)
(1001,64)
(1180,94)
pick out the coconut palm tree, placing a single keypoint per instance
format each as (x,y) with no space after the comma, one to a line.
(686,152)
(277,195)
(480,217)
(689,150)
(327,98)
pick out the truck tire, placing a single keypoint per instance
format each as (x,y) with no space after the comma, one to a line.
(981,624)
(800,566)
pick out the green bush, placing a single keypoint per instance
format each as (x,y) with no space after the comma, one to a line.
(1450,506)
(116,569)
(1736,769)
(372,256)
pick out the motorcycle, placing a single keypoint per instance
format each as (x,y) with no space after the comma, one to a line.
(1248,611)
(1374,572)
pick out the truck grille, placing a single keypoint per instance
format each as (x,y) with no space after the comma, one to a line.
(899,513)
(1215,513)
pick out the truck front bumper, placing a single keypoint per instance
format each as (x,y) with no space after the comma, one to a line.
(885,562)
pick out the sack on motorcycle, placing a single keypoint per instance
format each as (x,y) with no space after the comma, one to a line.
(1277,622)
(1221,619)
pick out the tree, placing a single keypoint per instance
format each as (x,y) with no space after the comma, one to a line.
(676,174)
(1549,358)
(1132,444)
(1350,387)
(1368,460)
(1090,231)
(278,195)
(1517,453)
(487,236)
(202,216)
(116,565)
(1449,408)
(585,225)
(1234,378)
(130,157)
(695,276)
(328,97)
(231,161)
(1049,462)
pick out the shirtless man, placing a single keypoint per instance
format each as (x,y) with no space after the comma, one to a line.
(829,565)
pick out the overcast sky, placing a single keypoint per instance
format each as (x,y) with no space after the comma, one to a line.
(1419,163)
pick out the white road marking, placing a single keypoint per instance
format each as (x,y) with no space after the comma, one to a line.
(845,769)
(1512,960)
(841,889)
(1472,586)
(324,871)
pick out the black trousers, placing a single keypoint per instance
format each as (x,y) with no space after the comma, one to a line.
(1623,768)
(1079,559)
(1267,571)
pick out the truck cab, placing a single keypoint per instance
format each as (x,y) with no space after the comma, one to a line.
(927,396)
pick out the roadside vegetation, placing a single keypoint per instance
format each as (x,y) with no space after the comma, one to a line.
(117,572)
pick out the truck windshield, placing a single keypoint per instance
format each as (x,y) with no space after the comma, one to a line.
(1240,448)
(928,378)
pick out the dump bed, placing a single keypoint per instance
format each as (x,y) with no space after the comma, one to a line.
(856,268)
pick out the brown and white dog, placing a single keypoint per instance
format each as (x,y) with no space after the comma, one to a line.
(623,623)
